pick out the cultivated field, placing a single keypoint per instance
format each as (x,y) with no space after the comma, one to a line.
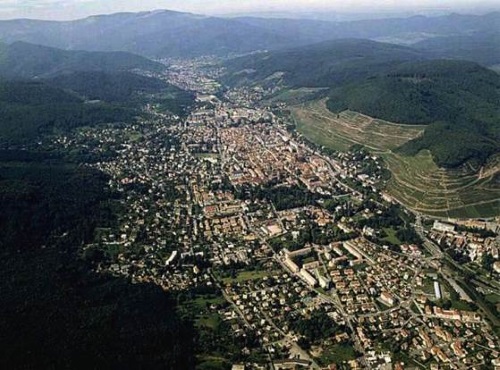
(416,182)
(340,131)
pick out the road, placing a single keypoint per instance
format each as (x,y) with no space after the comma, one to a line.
(455,272)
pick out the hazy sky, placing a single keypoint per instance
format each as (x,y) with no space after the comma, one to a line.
(71,9)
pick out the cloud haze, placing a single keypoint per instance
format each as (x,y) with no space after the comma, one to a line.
(71,9)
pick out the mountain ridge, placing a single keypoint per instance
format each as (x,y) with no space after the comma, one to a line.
(25,60)
(188,34)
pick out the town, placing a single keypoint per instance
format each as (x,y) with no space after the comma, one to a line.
(297,250)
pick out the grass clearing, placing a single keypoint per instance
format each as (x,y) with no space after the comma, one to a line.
(417,182)
(134,136)
(211,321)
(337,354)
(202,302)
(493,298)
(243,276)
(212,362)
(391,236)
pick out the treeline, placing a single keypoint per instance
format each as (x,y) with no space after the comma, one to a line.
(453,144)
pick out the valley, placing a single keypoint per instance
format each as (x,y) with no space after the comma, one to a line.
(187,191)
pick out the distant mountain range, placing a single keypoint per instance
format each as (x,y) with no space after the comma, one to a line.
(483,48)
(174,34)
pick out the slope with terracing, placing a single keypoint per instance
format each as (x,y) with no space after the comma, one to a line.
(417,182)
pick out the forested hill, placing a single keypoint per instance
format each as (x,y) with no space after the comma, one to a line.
(424,92)
(320,65)
(110,87)
(30,109)
(24,60)
(460,101)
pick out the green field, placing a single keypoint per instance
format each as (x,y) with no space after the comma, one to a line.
(340,131)
(243,276)
(211,321)
(493,298)
(337,354)
(416,181)
(391,236)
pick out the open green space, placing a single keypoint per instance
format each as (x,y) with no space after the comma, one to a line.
(417,182)
(212,363)
(212,321)
(391,236)
(243,276)
(493,298)
(337,354)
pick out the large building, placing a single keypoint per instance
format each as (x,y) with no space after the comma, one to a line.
(387,298)
(437,290)
(441,226)
(291,265)
(308,278)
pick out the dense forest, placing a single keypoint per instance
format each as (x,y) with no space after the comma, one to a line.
(55,312)
(325,64)
(31,108)
(425,92)
(111,87)
(460,101)
(21,60)
(124,88)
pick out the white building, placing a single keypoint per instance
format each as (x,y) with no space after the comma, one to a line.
(441,226)
(437,290)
